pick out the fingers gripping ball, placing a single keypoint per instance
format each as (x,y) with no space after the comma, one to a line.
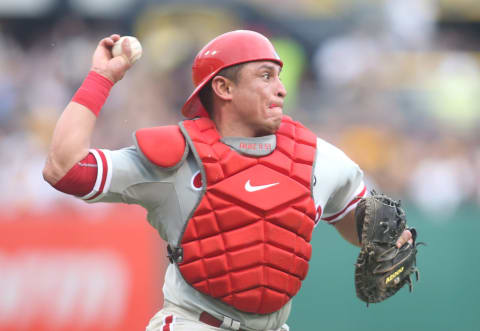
(135,47)
(382,269)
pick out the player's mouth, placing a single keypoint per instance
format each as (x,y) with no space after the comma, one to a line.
(276,106)
(275,109)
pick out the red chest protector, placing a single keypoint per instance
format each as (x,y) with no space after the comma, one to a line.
(247,241)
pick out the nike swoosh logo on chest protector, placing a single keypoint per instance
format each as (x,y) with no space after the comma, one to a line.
(250,188)
(279,188)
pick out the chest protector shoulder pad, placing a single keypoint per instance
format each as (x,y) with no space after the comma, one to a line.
(247,243)
(164,146)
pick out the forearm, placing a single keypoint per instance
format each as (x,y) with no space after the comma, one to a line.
(347,228)
(71,138)
(70,141)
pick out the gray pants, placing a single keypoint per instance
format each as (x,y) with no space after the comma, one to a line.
(174,318)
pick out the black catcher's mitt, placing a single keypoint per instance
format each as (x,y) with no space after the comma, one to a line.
(382,269)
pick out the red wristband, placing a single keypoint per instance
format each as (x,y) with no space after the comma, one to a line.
(94,92)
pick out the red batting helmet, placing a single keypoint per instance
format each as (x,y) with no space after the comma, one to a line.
(226,50)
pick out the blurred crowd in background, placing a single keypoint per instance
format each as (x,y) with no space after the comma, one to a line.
(395,84)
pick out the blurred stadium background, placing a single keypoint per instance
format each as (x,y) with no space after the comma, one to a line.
(395,84)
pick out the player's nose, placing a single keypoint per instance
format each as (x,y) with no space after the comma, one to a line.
(281,90)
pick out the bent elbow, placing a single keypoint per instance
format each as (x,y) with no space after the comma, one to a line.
(50,173)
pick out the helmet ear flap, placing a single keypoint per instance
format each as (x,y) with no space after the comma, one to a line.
(226,50)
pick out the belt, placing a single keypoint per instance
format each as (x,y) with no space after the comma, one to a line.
(227,323)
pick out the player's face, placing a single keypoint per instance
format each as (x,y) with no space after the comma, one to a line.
(258,97)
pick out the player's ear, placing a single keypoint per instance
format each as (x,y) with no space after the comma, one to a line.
(222,87)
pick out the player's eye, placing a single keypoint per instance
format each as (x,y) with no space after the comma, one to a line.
(266,75)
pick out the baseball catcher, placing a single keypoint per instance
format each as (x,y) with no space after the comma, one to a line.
(382,268)
(235,190)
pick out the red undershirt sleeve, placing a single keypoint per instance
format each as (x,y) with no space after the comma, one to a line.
(80,179)
(88,178)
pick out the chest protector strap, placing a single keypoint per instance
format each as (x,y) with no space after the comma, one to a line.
(247,243)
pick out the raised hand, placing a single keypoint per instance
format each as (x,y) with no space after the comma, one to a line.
(104,63)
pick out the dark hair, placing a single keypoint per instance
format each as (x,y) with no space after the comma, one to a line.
(206,93)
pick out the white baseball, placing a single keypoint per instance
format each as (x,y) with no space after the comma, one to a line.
(135,46)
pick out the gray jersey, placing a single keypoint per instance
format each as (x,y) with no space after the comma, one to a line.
(169,195)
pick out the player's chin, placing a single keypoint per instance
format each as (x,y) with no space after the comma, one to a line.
(275,116)
(272,118)
(272,125)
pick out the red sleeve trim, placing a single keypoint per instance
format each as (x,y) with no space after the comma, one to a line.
(80,179)
(350,205)
(104,175)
